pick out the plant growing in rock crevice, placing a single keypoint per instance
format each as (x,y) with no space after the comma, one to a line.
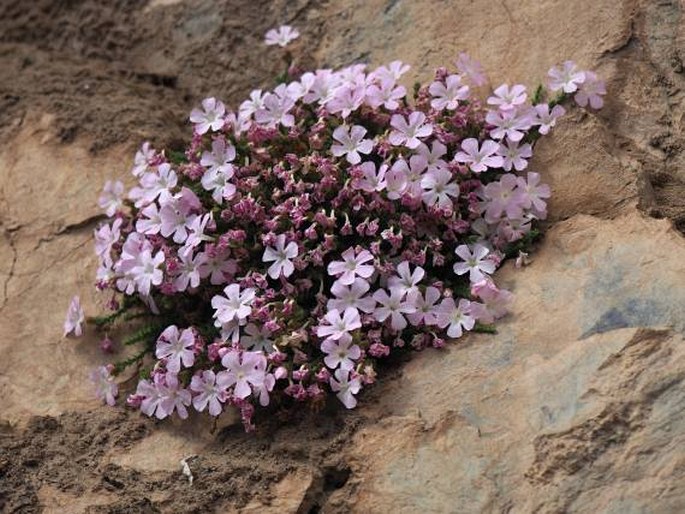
(320,227)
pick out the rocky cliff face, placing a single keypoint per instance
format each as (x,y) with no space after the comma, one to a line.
(577,404)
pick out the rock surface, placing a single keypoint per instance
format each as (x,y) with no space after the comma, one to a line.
(576,405)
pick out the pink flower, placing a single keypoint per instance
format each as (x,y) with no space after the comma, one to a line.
(346,100)
(503,197)
(111,199)
(235,306)
(210,117)
(396,181)
(591,91)
(371,179)
(106,389)
(243,369)
(515,155)
(176,349)
(339,326)
(456,318)
(472,69)
(547,119)
(426,310)
(155,185)
(257,339)
(433,155)
(352,266)
(386,94)
(281,256)
(495,301)
(479,159)
(212,389)
(438,187)
(476,263)
(393,306)
(105,238)
(392,72)
(163,396)
(351,297)
(340,353)
(276,110)
(249,107)
(143,159)
(188,272)
(406,281)
(151,223)
(507,99)
(147,273)
(217,268)
(447,95)
(414,173)
(75,318)
(352,143)
(345,388)
(509,124)
(409,131)
(533,195)
(568,77)
(281,36)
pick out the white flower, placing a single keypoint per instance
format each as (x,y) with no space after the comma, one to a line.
(281,36)
(235,306)
(210,117)
(345,388)
(111,199)
(281,256)
(352,143)
(448,95)
(438,188)
(476,264)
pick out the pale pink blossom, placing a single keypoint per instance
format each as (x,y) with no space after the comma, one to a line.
(189,266)
(426,308)
(396,181)
(281,36)
(338,324)
(340,352)
(234,306)
(257,338)
(351,143)
(495,301)
(149,221)
(409,131)
(414,171)
(438,187)
(276,110)
(244,369)
(392,72)
(346,100)
(211,117)
(506,98)
(251,106)
(387,93)
(394,306)
(106,389)
(105,238)
(211,389)
(112,198)
(351,296)
(406,281)
(345,388)
(154,185)
(75,318)
(532,194)
(591,91)
(456,318)
(147,273)
(433,155)
(472,69)
(476,262)
(478,158)
(515,155)
(371,179)
(352,265)
(568,77)
(448,94)
(509,124)
(196,230)
(142,160)
(218,267)
(176,347)
(504,197)
(281,255)
(547,119)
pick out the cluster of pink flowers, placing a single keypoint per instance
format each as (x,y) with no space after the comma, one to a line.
(321,226)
